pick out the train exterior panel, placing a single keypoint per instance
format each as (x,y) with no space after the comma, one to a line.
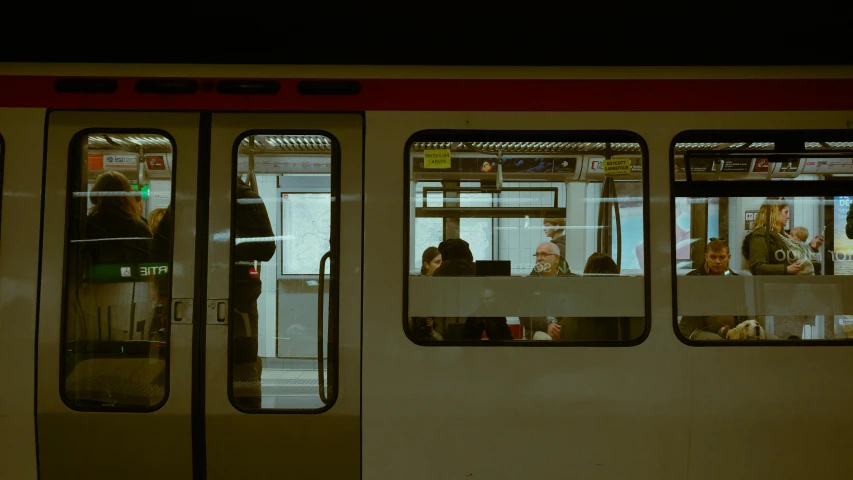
(306,190)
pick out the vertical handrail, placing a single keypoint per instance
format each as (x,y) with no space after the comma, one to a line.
(320,310)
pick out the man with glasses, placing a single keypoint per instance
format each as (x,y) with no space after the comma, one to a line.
(549,263)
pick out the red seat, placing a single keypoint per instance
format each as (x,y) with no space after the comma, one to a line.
(516,329)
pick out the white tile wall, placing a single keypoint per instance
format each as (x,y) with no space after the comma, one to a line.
(518,237)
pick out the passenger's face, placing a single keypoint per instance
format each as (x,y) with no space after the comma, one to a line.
(717,261)
(550,230)
(784,216)
(547,261)
(433,264)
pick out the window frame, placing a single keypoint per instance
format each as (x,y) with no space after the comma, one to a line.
(2,169)
(510,135)
(729,189)
(73,170)
(333,332)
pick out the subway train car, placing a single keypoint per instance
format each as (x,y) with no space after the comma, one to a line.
(425,272)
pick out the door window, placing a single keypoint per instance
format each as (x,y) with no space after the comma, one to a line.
(283,330)
(115,332)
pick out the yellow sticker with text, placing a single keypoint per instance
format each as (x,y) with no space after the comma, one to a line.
(617,166)
(437,158)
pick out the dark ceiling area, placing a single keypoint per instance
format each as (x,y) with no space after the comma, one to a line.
(592,37)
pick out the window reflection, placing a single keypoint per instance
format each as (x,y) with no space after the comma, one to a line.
(117,284)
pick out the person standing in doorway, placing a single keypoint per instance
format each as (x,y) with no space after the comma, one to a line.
(255,243)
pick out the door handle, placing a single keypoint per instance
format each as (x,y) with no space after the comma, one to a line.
(182,310)
(217,312)
(320,309)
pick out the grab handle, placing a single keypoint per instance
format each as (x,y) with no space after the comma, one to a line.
(320,310)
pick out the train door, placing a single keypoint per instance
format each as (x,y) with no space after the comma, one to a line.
(283,313)
(21,155)
(115,336)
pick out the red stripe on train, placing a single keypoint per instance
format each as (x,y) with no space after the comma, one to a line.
(464,95)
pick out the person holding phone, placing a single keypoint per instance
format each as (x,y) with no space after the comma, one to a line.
(850,223)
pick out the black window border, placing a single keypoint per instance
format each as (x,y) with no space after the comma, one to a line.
(74,152)
(730,189)
(445,135)
(334,274)
(2,169)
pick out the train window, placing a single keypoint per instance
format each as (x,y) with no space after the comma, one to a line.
(763,237)
(118,271)
(284,251)
(525,238)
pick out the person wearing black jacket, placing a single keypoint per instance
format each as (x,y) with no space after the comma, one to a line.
(850,223)
(254,243)
(117,241)
(457,261)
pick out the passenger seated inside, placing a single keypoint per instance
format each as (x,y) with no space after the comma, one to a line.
(548,263)
(717,257)
(590,329)
(579,328)
(423,328)
(458,261)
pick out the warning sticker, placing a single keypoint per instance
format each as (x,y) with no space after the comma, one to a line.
(437,158)
(617,166)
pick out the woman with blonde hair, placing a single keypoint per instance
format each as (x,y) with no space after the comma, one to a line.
(767,248)
(769,251)
(155,217)
(114,219)
(109,299)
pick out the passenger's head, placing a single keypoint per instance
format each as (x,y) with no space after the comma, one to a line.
(547,259)
(456,268)
(112,196)
(601,263)
(717,256)
(430,261)
(155,217)
(774,211)
(455,249)
(800,233)
(456,259)
(554,227)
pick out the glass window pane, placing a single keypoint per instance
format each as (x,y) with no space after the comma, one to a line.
(520,238)
(283,221)
(117,289)
(770,251)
